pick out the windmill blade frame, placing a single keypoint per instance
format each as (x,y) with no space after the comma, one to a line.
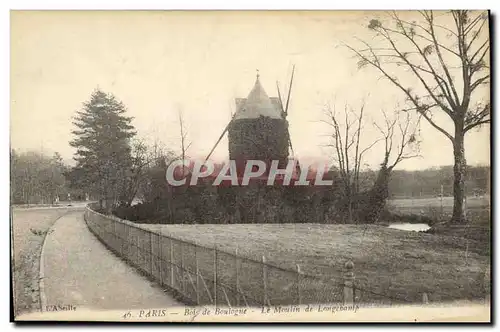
(284,111)
(280,99)
(220,138)
(289,90)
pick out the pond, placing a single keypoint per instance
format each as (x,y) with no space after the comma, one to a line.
(410,227)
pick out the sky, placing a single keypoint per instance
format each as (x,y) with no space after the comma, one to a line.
(160,63)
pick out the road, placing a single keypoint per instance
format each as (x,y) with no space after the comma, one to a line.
(76,269)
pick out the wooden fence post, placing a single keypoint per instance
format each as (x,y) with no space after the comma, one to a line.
(237,262)
(264,280)
(349,283)
(107,231)
(183,272)
(120,238)
(137,247)
(172,263)
(299,278)
(160,260)
(215,276)
(132,245)
(133,242)
(197,275)
(115,236)
(140,245)
(124,240)
(152,264)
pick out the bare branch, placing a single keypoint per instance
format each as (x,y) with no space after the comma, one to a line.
(476,118)
(479,18)
(435,76)
(474,37)
(427,31)
(183,137)
(369,147)
(479,81)
(440,57)
(486,43)
(421,108)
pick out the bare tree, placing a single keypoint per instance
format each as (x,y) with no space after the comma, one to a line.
(184,145)
(448,55)
(348,154)
(404,144)
(399,135)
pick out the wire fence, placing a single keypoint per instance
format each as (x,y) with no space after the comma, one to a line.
(209,276)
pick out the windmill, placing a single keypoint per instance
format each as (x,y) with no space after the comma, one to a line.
(257,104)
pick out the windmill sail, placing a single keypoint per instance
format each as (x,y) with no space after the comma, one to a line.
(289,91)
(284,110)
(220,138)
(280,100)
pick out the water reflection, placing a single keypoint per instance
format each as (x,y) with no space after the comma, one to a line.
(410,227)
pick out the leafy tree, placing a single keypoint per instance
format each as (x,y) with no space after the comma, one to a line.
(104,161)
(447,54)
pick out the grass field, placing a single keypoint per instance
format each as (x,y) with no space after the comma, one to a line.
(436,202)
(28,232)
(431,206)
(396,263)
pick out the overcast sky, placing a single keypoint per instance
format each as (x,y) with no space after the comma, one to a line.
(198,62)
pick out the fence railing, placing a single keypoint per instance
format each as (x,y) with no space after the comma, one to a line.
(210,276)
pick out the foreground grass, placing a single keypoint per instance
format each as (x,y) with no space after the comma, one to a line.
(29,227)
(398,264)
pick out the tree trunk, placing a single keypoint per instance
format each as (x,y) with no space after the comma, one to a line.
(459,169)
(377,195)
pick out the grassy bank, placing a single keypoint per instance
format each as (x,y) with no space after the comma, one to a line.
(437,213)
(28,229)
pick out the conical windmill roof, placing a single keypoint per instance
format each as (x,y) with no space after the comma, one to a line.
(257,104)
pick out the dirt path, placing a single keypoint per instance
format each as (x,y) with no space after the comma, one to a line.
(80,271)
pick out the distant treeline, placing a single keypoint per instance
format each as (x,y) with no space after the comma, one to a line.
(36,178)
(428,182)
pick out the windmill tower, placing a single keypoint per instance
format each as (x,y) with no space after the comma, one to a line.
(258,129)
